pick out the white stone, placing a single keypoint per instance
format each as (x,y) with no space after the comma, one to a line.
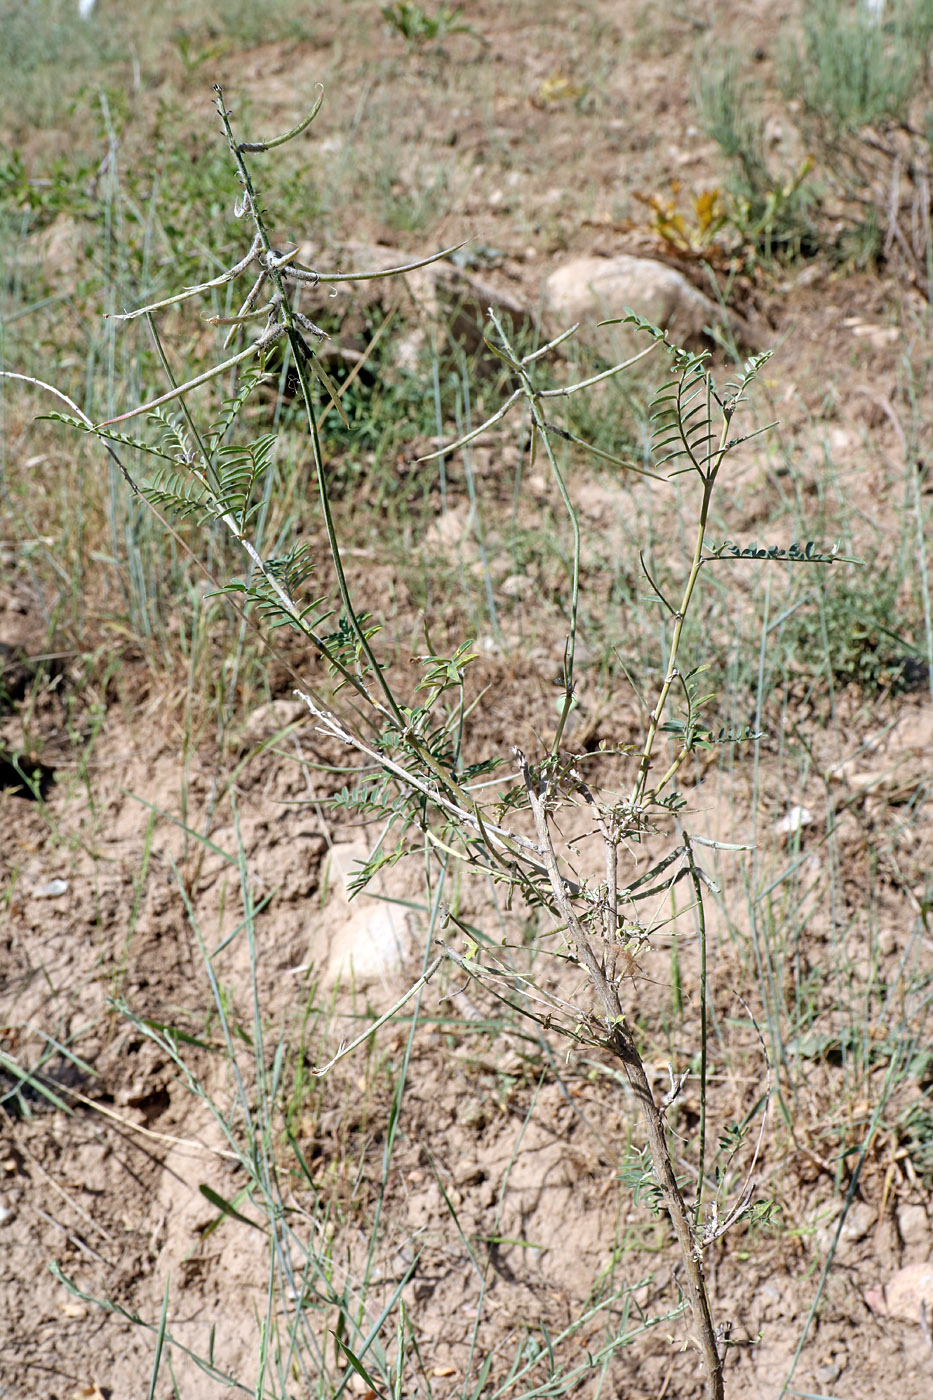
(53,889)
(796,819)
(887,942)
(913,1225)
(593,289)
(861,1218)
(365,938)
(345,860)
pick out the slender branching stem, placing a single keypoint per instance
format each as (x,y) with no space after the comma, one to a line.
(620,1041)
(543,432)
(704,1019)
(301,356)
(300,352)
(640,793)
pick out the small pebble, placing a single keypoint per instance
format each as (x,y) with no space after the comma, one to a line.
(913,1224)
(51,890)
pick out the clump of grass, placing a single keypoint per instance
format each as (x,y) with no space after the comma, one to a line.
(418,26)
(853,68)
(856,85)
(855,635)
(862,84)
(771,210)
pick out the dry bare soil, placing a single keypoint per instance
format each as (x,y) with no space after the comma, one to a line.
(501,1205)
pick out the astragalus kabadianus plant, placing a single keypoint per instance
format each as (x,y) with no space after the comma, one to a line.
(502,816)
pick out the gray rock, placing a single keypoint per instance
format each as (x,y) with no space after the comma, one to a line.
(593,289)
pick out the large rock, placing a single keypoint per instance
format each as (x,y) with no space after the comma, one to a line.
(594,289)
(364,938)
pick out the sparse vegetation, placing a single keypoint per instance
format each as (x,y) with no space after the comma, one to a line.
(704,870)
(855,177)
